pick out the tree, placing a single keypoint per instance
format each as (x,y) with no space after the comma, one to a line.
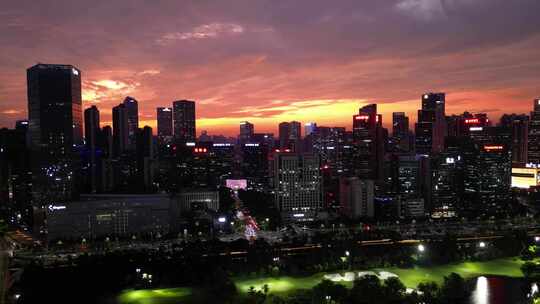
(336,292)
(393,290)
(429,292)
(365,289)
(454,289)
(531,270)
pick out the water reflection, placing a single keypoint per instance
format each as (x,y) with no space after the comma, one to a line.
(481,292)
(501,290)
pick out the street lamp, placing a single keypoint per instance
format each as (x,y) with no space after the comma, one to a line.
(482,245)
(421,248)
(537,238)
(347,253)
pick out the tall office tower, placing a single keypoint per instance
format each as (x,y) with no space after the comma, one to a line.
(533,154)
(106,143)
(246,131)
(296,180)
(329,144)
(356,197)
(519,126)
(145,157)
(15,174)
(447,180)
(91,137)
(309,128)
(132,110)
(290,135)
(120,129)
(254,164)
(184,120)
(164,123)
(400,132)
(430,129)
(55,129)
(369,142)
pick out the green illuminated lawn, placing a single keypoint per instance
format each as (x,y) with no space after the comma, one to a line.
(411,277)
(154,296)
(509,267)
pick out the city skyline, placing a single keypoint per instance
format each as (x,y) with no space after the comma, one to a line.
(280,63)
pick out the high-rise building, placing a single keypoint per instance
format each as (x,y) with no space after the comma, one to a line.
(91,137)
(184,120)
(533,154)
(254,164)
(15,175)
(145,156)
(54,108)
(164,123)
(290,135)
(519,126)
(356,197)
(296,180)
(246,131)
(430,129)
(401,135)
(120,129)
(309,128)
(55,129)
(132,110)
(369,141)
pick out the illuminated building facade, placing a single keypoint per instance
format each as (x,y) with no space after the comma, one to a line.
(533,148)
(525,177)
(297,184)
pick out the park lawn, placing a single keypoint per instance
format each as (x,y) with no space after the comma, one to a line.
(154,296)
(411,277)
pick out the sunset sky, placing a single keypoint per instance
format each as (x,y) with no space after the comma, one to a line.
(272,61)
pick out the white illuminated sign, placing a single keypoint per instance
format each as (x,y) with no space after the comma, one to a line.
(59,207)
(75,72)
(476,129)
(190,144)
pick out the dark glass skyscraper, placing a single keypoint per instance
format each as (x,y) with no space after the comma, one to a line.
(184,120)
(132,111)
(400,131)
(290,134)
(519,126)
(55,129)
(164,122)
(120,129)
(91,136)
(246,131)
(369,140)
(533,155)
(431,126)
